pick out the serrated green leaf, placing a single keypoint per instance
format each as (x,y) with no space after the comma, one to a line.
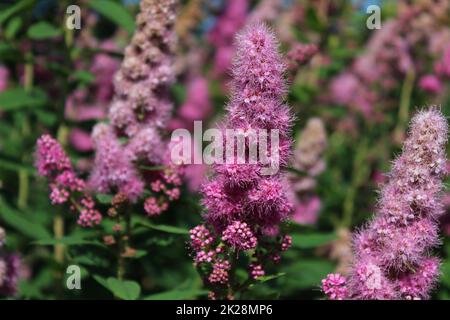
(115,12)
(43,30)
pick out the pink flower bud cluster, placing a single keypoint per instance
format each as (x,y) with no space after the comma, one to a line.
(256,271)
(392,253)
(53,163)
(239,236)
(9,269)
(219,273)
(140,109)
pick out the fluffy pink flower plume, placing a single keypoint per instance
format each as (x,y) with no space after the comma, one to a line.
(244,207)
(53,163)
(9,269)
(140,109)
(392,253)
(240,192)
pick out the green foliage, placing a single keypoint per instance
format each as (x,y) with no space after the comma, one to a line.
(43,30)
(115,12)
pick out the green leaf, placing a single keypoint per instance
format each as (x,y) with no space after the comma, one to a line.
(104,198)
(176,295)
(312,240)
(115,12)
(306,273)
(68,241)
(162,227)
(124,289)
(101,281)
(271,277)
(445,275)
(46,117)
(139,254)
(17,98)
(15,166)
(12,10)
(13,27)
(83,76)
(43,30)
(17,220)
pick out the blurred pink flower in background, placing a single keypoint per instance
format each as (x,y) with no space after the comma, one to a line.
(430,83)
(80,106)
(442,67)
(348,89)
(308,159)
(223,32)
(307,211)
(197,106)
(4,76)
(80,139)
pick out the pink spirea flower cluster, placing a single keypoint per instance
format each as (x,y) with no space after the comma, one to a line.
(239,191)
(244,208)
(392,258)
(239,235)
(335,287)
(300,54)
(9,269)
(140,109)
(53,163)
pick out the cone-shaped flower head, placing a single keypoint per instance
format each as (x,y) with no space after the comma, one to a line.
(241,192)
(392,252)
(141,104)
